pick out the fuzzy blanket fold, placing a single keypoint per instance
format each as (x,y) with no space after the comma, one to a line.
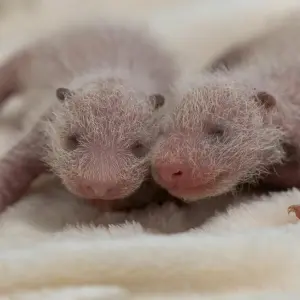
(48,247)
(223,256)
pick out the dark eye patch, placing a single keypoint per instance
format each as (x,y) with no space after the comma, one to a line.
(138,149)
(216,131)
(72,142)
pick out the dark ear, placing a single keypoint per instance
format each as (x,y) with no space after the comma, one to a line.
(63,93)
(157,100)
(291,151)
(265,99)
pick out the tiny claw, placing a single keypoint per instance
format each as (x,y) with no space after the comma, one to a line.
(291,209)
(295,209)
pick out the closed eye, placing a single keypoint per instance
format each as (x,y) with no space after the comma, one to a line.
(217,131)
(138,149)
(72,142)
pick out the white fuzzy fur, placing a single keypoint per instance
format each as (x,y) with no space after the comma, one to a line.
(251,252)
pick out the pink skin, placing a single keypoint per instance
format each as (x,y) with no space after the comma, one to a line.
(235,126)
(220,135)
(71,158)
(103,156)
(117,80)
(20,166)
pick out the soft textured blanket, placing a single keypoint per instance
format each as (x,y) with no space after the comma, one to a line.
(50,250)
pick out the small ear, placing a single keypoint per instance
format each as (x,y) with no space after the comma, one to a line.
(291,151)
(157,100)
(63,93)
(265,99)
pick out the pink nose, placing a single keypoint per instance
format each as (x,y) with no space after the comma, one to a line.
(90,189)
(175,174)
(93,189)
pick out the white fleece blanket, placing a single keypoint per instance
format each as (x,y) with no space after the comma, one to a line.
(49,250)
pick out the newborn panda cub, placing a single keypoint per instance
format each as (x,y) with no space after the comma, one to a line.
(100,140)
(236,126)
(91,146)
(221,135)
(113,84)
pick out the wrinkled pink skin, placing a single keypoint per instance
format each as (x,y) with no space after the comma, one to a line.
(195,159)
(23,164)
(96,157)
(19,167)
(111,117)
(234,126)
